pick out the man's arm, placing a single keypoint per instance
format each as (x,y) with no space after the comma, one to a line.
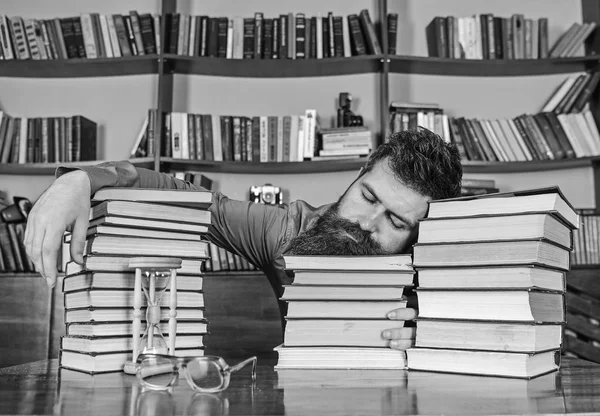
(252,230)
(123,174)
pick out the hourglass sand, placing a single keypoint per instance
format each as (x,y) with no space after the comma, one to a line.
(152,277)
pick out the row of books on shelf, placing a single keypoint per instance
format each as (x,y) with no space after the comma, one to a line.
(586,239)
(287,36)
(47,139)
(485,36)
(13,257)
(541,136)
(220,138)
(90,35)
(474,257)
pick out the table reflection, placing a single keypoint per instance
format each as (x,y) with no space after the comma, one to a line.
(118,393)
(41,388)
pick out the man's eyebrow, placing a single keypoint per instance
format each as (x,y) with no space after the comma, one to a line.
(399,216)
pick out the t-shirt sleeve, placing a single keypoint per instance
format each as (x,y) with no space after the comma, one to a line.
(125,174)
(254,231)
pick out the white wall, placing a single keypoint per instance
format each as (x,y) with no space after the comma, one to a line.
(120,104)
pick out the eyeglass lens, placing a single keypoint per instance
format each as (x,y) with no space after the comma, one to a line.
(157,372)
(205,374)
(160,372)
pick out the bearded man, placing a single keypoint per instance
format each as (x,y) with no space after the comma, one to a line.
(378,213)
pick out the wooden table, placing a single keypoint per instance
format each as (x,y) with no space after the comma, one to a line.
(41,388)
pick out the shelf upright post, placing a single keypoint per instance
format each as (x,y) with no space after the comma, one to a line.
(590,10)
(383,74)
(164,102)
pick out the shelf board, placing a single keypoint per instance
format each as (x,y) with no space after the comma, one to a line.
(531,166)
(268,168)
(286,68)
(20,275)
(489,67)
(321,166)
(274,68)
(50,168)
(79,68)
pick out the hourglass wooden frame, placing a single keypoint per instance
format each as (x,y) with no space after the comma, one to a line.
(155,264)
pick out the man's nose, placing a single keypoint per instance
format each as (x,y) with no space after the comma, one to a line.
(369,220)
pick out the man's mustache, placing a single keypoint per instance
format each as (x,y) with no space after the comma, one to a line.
(334,235)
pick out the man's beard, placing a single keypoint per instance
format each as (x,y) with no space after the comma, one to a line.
(333,235)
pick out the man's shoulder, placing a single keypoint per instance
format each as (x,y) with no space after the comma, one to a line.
(302,216)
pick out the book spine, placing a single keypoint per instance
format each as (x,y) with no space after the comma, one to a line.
(134,19)
(300,35)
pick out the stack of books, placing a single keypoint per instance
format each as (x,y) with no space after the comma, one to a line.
(99,295)
(337,307)
(345,142)
(491,272)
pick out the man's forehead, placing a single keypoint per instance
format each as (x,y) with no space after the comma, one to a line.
(393,193)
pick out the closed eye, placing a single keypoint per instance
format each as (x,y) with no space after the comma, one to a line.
(396,223)
(369,198)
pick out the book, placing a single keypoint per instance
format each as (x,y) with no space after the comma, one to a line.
(495,228)
(138,246)
(505,364)
(339,358)
(508,277)
(96,298)
(99,329)
(517,202)
(301,378)
(337,332)
(180,197)
(111,344)
(93,363)
(141,232)
(354,278)
(492,336)
(120,280)
(501,305)
(537,252)
(146,210)
(320,292)
(108,314)
(121,264)
(182,229)
(342,309)
(355,263)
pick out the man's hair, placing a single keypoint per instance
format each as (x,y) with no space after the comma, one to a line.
(421,160)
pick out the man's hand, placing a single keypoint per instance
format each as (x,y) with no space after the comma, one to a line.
(64,206)
(404,337)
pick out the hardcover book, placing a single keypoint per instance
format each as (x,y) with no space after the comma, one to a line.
(504,364)
(492,304)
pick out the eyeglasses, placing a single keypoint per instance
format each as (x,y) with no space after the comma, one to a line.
(208,374)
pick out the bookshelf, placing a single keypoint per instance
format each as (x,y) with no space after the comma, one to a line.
(381,72)
(376,76)
(80,68)
(166,66)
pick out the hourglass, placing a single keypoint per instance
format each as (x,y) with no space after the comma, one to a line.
(152,277)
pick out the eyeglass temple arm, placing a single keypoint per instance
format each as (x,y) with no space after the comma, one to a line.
(239,366)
